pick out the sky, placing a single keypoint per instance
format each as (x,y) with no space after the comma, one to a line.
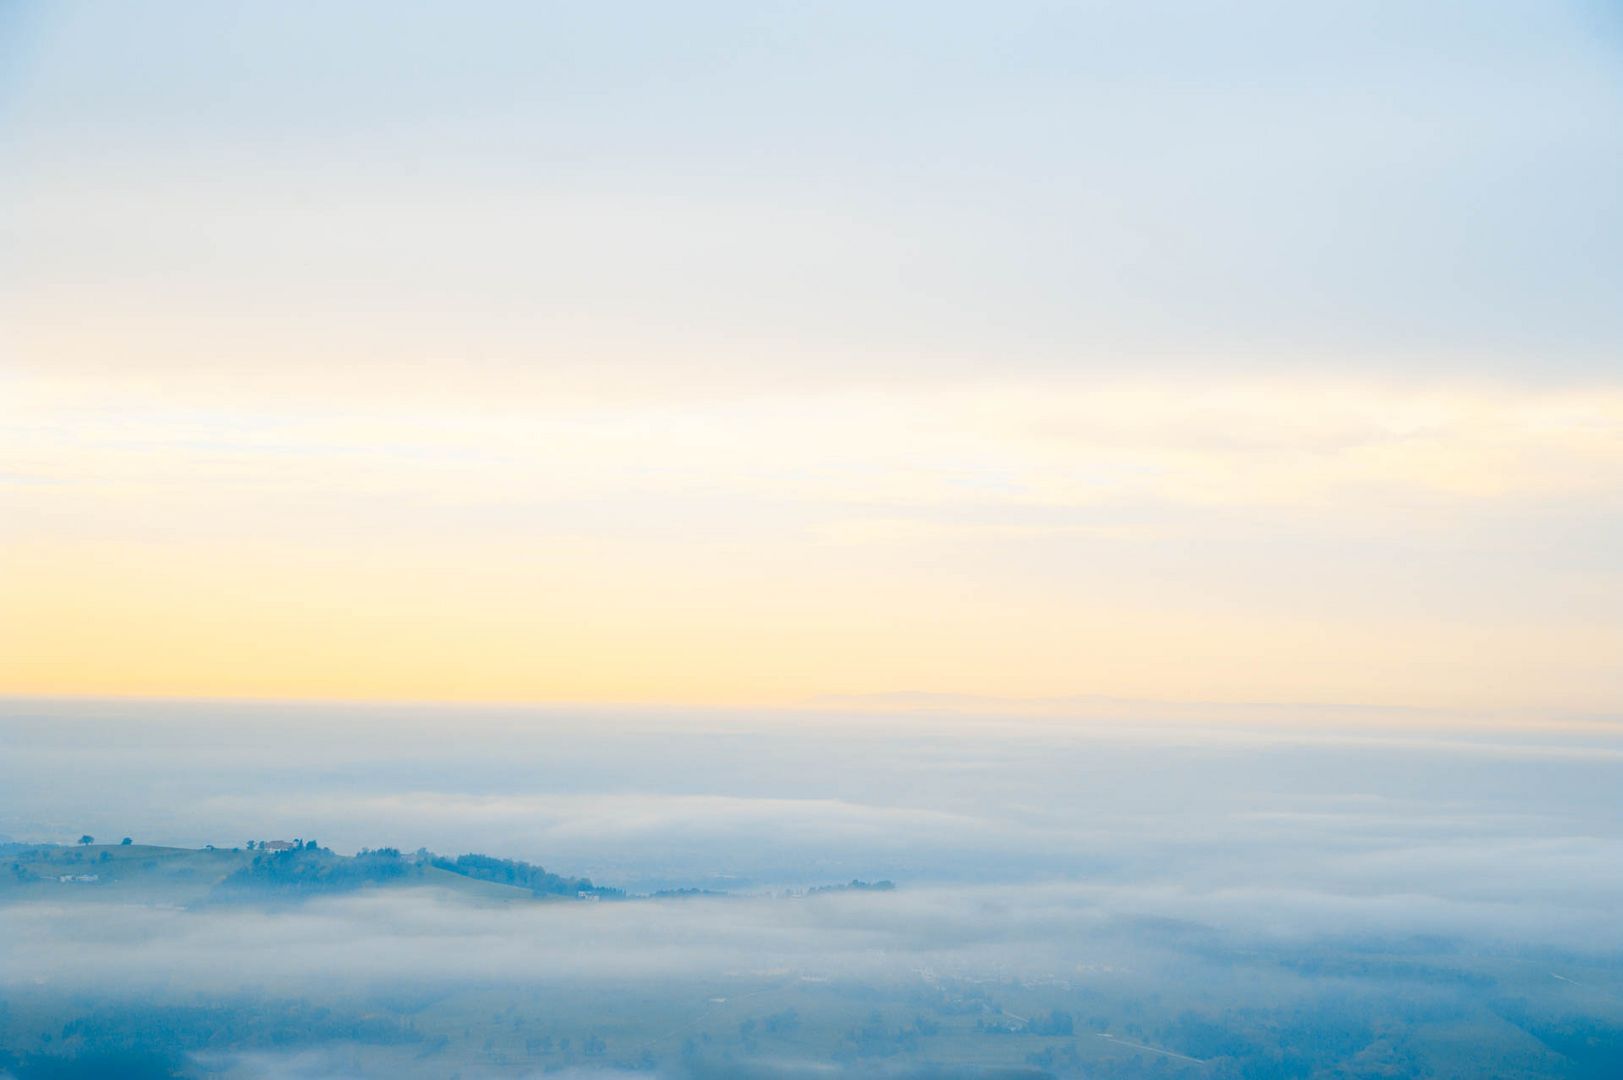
(766,354)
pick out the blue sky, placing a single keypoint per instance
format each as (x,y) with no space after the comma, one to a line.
(1392,185)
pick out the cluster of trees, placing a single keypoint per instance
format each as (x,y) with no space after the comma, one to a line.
(523,875)
(853,886)
(310,869)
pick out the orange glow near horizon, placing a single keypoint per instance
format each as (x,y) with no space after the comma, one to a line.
(1223,542)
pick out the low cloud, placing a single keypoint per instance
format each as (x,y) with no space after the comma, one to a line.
(1161,871)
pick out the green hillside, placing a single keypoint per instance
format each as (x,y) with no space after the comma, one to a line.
(186,877)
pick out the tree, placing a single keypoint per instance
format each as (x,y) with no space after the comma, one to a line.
(126,842)
(87,839)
